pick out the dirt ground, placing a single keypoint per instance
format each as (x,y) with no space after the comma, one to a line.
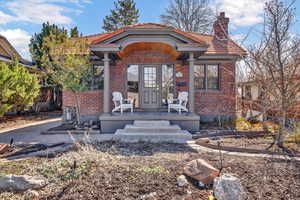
(129,171)
(25,118)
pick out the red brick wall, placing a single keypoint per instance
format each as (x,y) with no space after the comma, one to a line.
(90,102)
(209,102)
(223,101)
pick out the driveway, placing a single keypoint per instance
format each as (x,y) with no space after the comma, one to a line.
(31,134)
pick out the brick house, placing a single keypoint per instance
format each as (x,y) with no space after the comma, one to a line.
(201,64)
(8,53)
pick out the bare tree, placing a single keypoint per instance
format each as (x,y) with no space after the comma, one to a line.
(274,64)
(189,15)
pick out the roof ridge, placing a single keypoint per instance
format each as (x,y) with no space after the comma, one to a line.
(198,33)
(92,35)
(147,23)
(234,42)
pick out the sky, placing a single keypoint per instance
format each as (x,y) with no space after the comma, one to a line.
(20,19)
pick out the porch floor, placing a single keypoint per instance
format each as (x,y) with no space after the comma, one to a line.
(110,122)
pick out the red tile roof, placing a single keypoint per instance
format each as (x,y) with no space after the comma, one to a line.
(215,46)
(223,47)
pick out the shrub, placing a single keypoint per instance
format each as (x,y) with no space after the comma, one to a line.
(242,124)
(271,126)
(18,88)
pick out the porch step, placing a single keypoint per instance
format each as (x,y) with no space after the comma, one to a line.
(153,128)
(152,131)
(151,123)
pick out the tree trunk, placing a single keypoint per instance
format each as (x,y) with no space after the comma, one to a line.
(77,100)
(279,137)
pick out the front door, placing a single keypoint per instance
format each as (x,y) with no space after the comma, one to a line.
(150,87)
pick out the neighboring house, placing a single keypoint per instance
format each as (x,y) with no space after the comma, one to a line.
(248,94)
(153,62)
(8,53)
(250,103)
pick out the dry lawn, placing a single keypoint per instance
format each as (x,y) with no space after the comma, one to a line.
(129,171)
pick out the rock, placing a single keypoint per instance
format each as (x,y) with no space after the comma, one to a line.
(201,171)
(228,187)
(13,183)
(205,140)
(181,181)
(4,148)
(150,196)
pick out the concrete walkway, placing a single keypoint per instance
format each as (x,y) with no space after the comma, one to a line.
(31,134)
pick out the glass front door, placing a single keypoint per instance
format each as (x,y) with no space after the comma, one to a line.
(150,85)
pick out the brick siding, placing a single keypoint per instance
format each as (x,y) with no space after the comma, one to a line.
(208,102)
(91,102)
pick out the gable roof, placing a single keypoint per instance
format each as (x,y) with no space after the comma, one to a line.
(8,48)
(215,46)
(146,26)
(8,53)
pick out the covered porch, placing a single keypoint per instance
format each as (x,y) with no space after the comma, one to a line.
(149,66)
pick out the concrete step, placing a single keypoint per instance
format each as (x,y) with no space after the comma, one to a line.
(152,133)
(151,123)
(131,137)
(156,129)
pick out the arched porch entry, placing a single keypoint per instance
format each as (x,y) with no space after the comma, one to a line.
(150,73)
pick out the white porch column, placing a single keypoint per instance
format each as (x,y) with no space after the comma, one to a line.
(191,82)
(106,95)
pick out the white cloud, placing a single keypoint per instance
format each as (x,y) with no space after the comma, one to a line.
(242,12)
(19,39)
(5,18)
(39,11)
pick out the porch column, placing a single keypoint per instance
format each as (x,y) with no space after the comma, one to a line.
(191,82)
(106,95)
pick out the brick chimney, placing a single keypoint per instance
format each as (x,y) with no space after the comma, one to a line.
(221,27)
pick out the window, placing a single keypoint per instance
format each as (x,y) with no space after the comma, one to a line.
(199,76)
(150,77)
(206,77)
(212,73)
(168,86)
(133,84)
(248,94)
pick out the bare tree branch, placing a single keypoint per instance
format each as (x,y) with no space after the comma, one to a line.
(189,15)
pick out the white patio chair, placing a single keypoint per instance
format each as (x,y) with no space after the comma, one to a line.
(180,103)
(120,103)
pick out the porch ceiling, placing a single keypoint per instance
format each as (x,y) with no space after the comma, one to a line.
(149,46)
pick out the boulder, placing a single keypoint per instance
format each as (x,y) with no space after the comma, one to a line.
(205,140)
(181,181)
(13,183)
(4,148)
(228,187)
(201,171)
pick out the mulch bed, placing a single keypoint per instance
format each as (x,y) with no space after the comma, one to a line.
(71,129)
(25,118)
(133,170)
(219,133)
